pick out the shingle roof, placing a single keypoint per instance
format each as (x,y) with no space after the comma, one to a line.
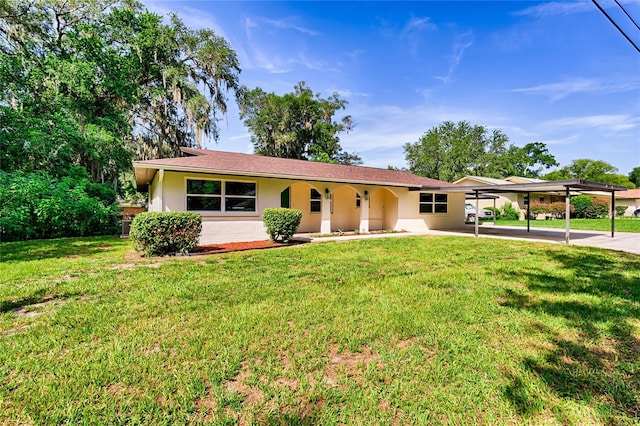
(257,165)
(629,193)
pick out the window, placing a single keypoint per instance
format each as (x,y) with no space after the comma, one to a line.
(316,201)
(215,195)
(358,200)
(541,199)
(285,198)
(526,200)
(433,203)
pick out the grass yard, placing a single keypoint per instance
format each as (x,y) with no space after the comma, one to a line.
(412,330)
(623,224)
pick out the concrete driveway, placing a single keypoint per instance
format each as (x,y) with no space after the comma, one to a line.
(623,241)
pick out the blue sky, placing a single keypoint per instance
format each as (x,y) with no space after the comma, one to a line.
(551,72)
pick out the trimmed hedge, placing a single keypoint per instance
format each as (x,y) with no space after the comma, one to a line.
(162,233)
(281,223)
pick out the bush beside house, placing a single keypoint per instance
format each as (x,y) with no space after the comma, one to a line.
(163,233)
(281,223)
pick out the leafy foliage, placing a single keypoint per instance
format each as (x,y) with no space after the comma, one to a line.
(95,83)
(162,233)
(557,209)
(589,207)
(37,205)
(509,212)
(591,170)
(634,176)
(296,125)
(281,223)
(451,151)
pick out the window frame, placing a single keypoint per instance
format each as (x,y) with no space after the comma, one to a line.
(313,201)
(223,196)
(433,202)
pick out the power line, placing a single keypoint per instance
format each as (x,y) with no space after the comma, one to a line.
(616,25)
(627,13)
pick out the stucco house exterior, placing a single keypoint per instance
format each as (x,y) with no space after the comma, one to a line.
(518,200)
(630,199)
(231,190)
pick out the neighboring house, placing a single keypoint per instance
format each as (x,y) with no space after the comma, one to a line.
(231,190)
(629,198)
(518,200)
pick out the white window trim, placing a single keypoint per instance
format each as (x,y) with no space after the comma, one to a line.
(222,196)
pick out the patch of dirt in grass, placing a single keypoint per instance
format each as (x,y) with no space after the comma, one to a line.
(136,265)
(118,389)
(35,309)
(155,349)
(238,385)
(206,407)
(349,363)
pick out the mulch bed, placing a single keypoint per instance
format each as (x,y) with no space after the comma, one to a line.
(251,245)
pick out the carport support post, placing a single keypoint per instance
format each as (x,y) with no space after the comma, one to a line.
(494,212)
(528,209)
(613,213)
(477,215)
(567,214)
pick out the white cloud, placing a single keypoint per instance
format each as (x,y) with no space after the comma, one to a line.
(192,18)
(612,123)
(556,8)
(562,89)
(418,24)
(464,41)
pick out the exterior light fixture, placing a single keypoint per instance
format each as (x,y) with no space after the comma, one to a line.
(327,194)
(366,194)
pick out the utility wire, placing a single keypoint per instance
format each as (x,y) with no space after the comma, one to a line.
(627,13)
(616,25)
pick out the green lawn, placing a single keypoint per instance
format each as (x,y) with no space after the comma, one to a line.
(623,224)
(411,330)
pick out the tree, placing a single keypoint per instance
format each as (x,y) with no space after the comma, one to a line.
(451,150)
(527,161)
(95,83)
(634,176)
(296,125)
(591,170)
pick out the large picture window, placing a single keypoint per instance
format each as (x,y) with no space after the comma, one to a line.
(217,196)
(433,203)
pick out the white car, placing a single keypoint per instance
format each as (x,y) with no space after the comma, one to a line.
(470,213)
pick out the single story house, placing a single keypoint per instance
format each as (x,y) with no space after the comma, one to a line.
(630,199)
(231,190)
(518,200)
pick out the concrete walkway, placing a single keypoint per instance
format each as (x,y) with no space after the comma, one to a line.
(623,241)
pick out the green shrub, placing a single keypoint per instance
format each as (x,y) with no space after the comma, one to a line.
(162,233)
(620,210)
(281,223)
(580,205)
(589,208)
(599,208)
(37,205)
(495,210)
(509,213)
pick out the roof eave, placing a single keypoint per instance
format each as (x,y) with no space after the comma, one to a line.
(146,165)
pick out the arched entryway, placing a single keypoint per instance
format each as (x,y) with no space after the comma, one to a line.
(383,209)
(308,199)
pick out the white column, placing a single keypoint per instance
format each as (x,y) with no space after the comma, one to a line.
(325,224)
(160,189)
(364,212)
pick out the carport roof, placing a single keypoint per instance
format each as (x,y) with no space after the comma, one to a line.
(559,186)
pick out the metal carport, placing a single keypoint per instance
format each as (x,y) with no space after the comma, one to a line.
(563,187)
